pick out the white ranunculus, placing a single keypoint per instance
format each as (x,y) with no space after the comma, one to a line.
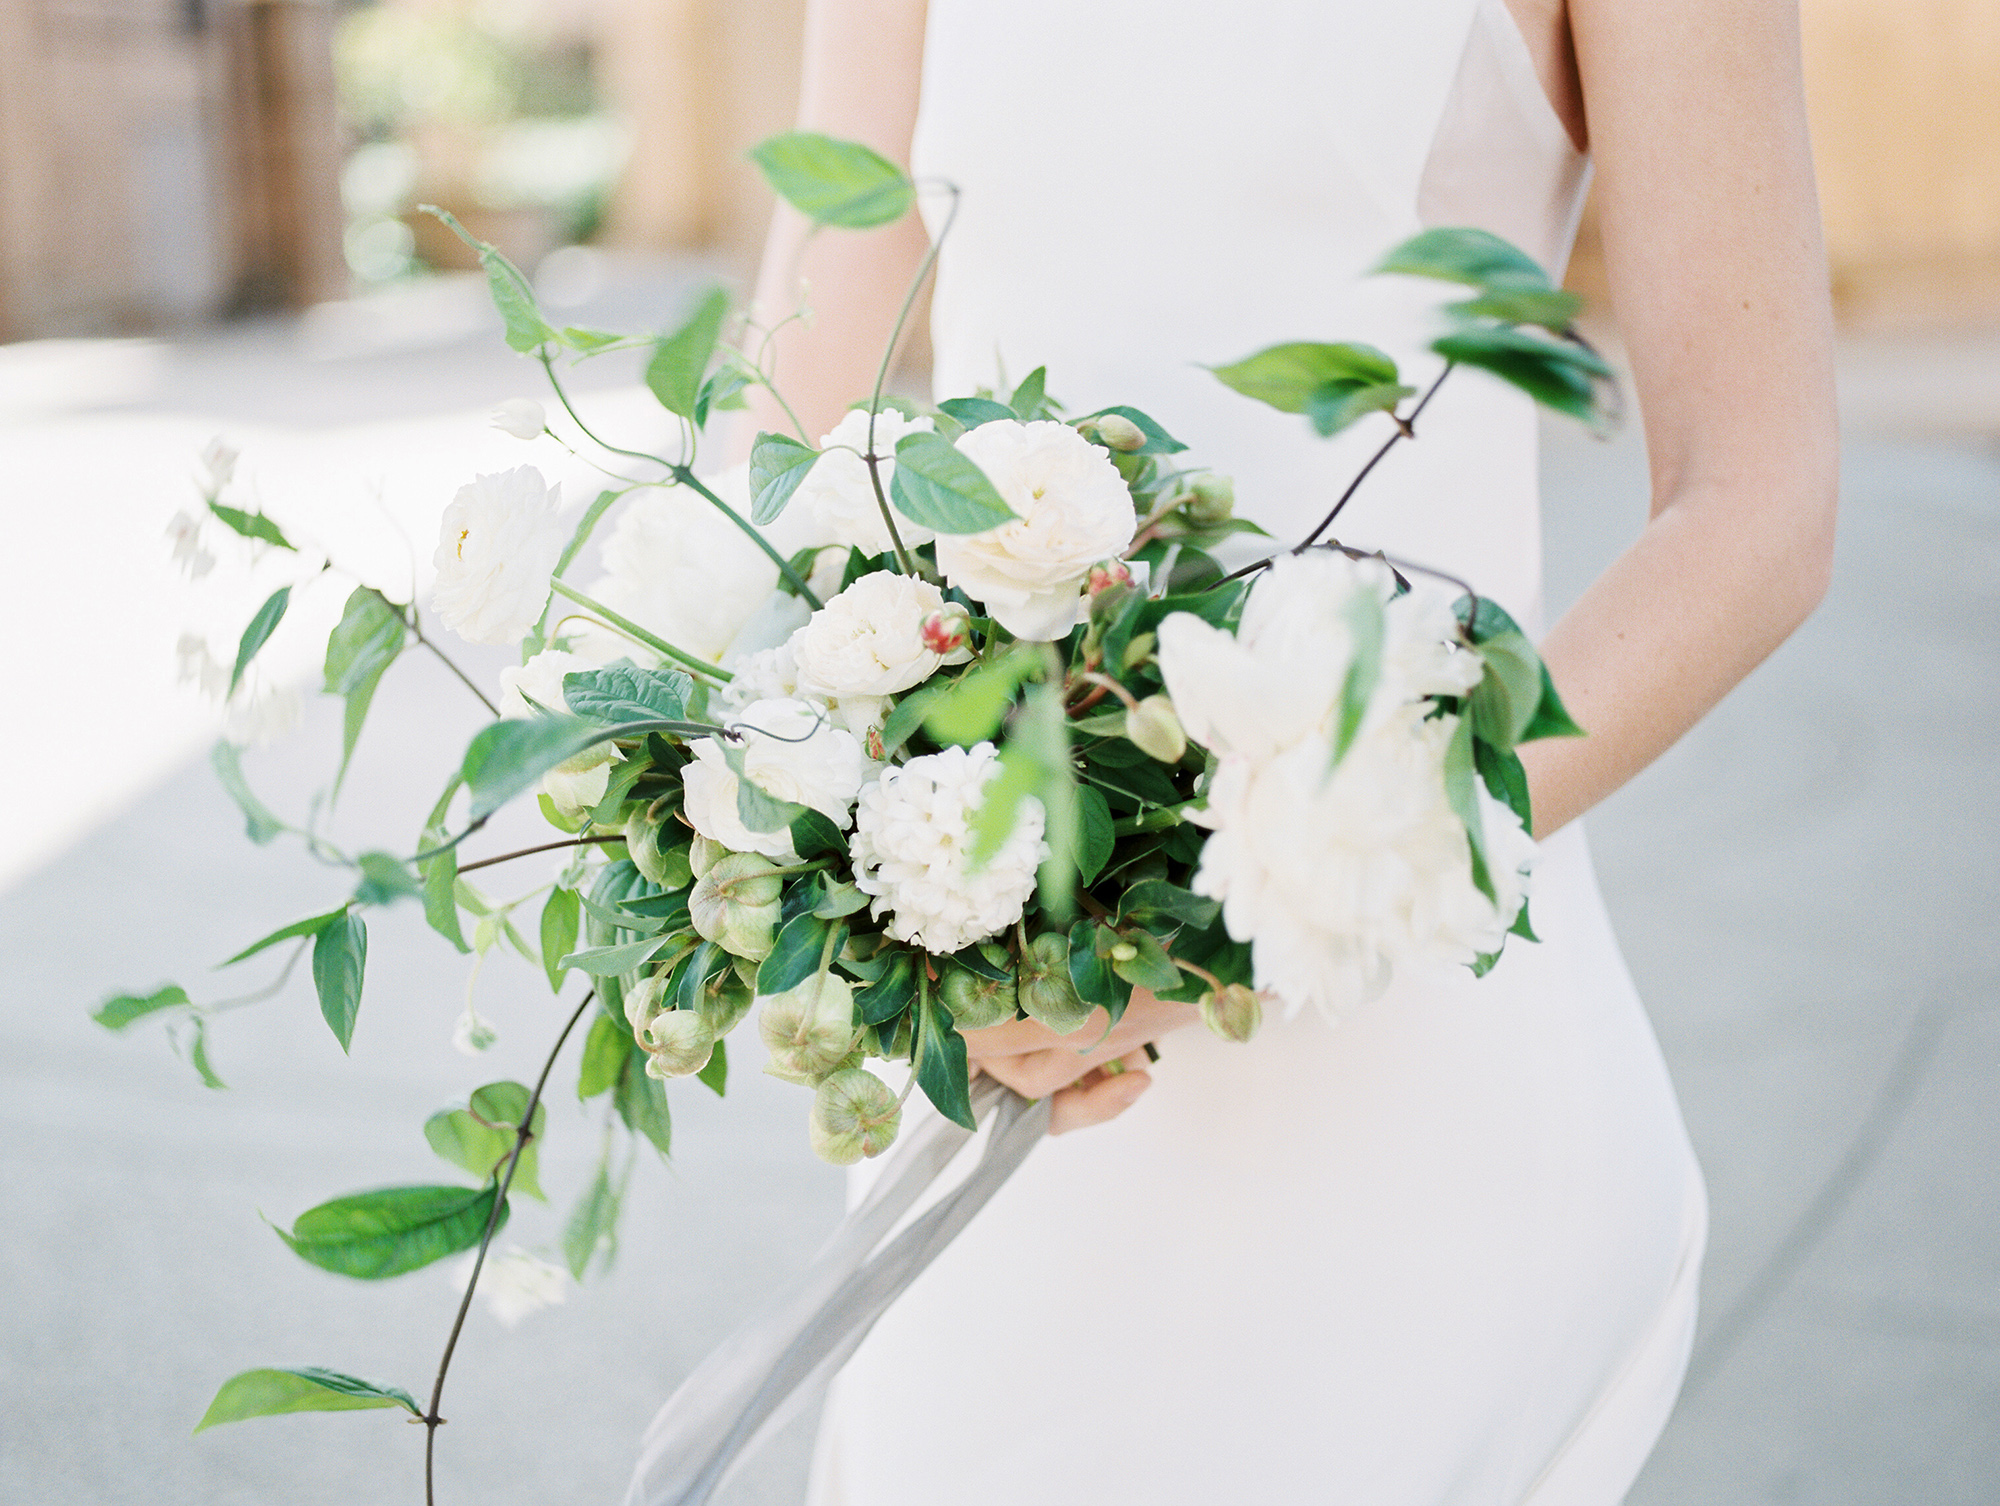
(184,533)
(838,494)
(869,639)
(791,751)
(912,849)
(521,417)
(1073,511)
(1335,881)
(770,674)
(497,548)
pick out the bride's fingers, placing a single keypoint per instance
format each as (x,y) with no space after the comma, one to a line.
(1099,1097)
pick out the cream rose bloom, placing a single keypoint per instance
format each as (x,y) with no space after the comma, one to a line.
(803,758)
(497,547)
(838,495)
(869,640)
(1073,510)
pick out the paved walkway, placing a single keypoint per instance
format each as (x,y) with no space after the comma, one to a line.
(1804,887)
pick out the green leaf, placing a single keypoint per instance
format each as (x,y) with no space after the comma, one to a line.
(610,961)
(1488,620)
(252,525)
(625,693)
(1477,258)
(374,1235)
(198,1057)
(1551,308)
(359,652)
(1291,376)
(795,955)
(910,712)
(604,1052)
(1094,836)
(969,709)
(1158,440)
(312,925)
(1021,774)
(680,359)
(1551,718)
(715,1074)
(479,1136)
(588,341)
(561,915)
(1090,971)
(778,463)
(641,1101)
(938,1055)
(1461,790)
(504,758)
(890,994)
(592,1223)
(340,954)
(1336,405)
(441,892)
(1159,897)
(970,412)
(938,485)
(227,761)
(838,899)
(840,183)
(722,392)
(815,836)
(273,1393)
(1365,621)
(1031,397)
(1557,374)
(117,1013)
(1506,780)
(384,880)
(758,809)
(1152,968)
(1507,696)
(255,636)
(510,290)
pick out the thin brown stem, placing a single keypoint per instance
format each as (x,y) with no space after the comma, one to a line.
(522,1134)
(526,852)
(409,617)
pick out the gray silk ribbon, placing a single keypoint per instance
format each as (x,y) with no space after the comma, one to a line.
(784,1358)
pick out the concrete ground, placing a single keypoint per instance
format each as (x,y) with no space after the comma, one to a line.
(1803,887)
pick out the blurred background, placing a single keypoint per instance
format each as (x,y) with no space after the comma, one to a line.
(207,225)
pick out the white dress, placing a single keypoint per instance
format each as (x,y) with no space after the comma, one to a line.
(1444,1252)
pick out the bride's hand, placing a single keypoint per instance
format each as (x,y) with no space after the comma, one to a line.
(1089,1076)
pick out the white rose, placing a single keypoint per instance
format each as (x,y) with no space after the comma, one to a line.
(869,639)
(791,751)
(497,547)
(770,674)
(1073,510)
(912,849)
(537,686)
(838,494)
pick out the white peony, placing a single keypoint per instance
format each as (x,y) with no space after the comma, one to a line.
(497,548)
(521,417)
(838,495)
(1073,511)
(791,751)
(869,640)
(184,533)
(912,847)
(1336,881)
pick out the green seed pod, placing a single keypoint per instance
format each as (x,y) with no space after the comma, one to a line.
(809,1029)
(644,1001)
(642,845)
(1119,432)
(977,1002)
(1214,500)
(678,1043)
(725,999)
(1156,729)
(854,1115)
(702,853)
(1234,1013)
(1045,991)
(735,904)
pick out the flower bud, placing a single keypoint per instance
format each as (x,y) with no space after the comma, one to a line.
(946,630)
(645,1000)
(702,853)
(1045,990)
(1107,573)
(735,904)
(1234,1013)
(1156,730)
(1119,432)
(678,1043)
(1214,500)
(666,867)
(809,1029)
(977,1002)
(854,1114)
(1123,951)
(521,417)
(726,998)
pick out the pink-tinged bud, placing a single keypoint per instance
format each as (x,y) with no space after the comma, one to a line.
(946,631)
(1108,573)
(876,748)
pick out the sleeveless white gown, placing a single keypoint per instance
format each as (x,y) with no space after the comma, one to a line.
(1445,1252)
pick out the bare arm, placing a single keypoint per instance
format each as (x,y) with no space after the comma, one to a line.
(1712,241)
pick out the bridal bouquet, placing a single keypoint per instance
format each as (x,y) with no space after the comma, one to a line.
(938,720)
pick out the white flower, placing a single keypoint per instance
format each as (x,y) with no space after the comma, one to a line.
(912,848)
(497,548)
(1073,510)
(219,460)
(791,752)
(514,1284)
(869,640)
(521,417)
(473,1033)
(1336,881)
(535,687)
(260,713)
(837,491)
(770,674)
(184,532)
(196,665)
